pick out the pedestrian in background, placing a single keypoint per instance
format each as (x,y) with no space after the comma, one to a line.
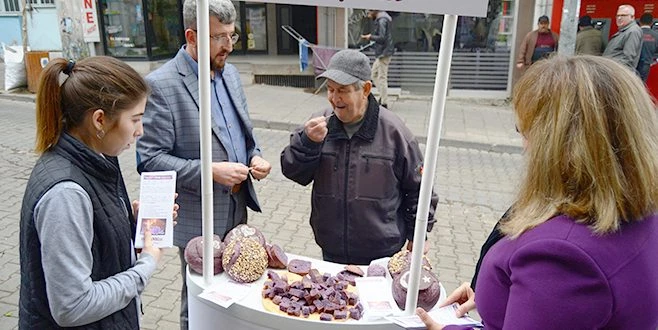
(581,237)
(625,45)
(537,44)
(78,262)
(649,50)
(589,41)
(171,133)
(365,165)
(384,50)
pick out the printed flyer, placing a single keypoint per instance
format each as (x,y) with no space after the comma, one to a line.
(156,204)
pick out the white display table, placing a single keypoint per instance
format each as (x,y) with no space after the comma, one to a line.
(249,312)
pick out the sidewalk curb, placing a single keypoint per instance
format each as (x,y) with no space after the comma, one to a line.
(289,127)
(497,148)
(18,97)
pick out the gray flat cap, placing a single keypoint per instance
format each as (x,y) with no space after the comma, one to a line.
(347,67)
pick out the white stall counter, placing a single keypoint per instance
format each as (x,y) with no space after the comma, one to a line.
(249,313)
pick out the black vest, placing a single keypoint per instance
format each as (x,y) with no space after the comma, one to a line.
(70,160)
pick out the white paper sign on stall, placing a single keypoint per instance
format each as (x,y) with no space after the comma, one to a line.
(444,315)
(226,292)
(376,302)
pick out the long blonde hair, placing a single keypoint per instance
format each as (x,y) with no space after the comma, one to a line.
(592,145)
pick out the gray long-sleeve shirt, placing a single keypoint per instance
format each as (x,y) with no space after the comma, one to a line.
(67,261)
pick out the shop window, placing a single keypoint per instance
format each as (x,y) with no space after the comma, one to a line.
(164,27)
(124,28)
(417,32)
(482,48)
(504,22)
(251,25)
(256,27)
(41,3)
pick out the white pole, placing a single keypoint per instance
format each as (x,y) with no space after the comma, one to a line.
(203,40)
(346,27)
(569,27)
(431,153)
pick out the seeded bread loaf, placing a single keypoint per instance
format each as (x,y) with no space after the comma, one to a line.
(245,231)
(244,260)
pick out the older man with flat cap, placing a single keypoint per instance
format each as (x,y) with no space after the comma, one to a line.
(365,166)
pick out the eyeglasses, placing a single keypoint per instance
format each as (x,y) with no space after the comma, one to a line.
(623,15)
(225,39)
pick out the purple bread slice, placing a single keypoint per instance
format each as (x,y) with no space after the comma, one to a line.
(354,269)
(277,258)
(315,276)
(348,276)
(355,313)
(299,267)
(340,314)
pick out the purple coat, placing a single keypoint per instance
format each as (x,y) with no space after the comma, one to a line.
(559,275)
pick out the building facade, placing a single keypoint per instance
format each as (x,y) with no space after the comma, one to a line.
(151,30)
(40,24)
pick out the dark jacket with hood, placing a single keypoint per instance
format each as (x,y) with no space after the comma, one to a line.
(365,189)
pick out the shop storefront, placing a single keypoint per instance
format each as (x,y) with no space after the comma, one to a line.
(141,29)
(259,26)
(482,50)
(251,25)
(153,29)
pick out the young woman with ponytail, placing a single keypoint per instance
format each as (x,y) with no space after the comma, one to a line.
(78,263)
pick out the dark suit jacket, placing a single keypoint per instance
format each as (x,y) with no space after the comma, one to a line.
(171,142)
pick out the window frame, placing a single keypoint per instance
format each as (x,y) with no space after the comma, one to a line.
(41,3)
(16,3)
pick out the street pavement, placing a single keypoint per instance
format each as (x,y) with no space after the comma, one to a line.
(479,166)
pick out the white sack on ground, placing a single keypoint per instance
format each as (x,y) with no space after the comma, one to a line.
(15,74)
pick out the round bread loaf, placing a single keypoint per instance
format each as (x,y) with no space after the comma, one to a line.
(244,260)
(429,290)
(401,262)
(194,254)
(246,231)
